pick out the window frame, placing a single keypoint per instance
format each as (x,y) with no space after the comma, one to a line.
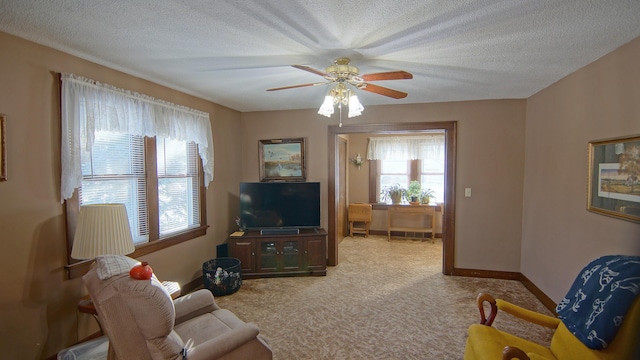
(375,168)
(77,268)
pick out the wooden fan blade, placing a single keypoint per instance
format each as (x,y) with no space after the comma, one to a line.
(391,75)
(296,86)
(311,70)
(384,91)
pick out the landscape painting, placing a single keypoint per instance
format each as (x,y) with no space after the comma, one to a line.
(616,185)
(614,177)
(282,160)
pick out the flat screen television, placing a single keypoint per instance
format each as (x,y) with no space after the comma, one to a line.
(279,205)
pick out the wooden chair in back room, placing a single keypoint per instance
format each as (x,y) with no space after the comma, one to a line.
(359,214)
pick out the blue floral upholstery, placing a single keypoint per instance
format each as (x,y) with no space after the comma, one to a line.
(601,295)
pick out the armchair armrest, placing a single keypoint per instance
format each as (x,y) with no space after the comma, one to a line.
(512,352)
(515,310)
(223,344)
(194,304)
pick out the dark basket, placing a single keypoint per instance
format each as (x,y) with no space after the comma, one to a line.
(222,276)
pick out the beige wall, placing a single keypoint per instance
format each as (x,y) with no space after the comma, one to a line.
(358,179)
(38,307)
(490,160)
(601,100)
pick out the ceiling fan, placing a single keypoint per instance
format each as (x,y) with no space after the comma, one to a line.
(343,73)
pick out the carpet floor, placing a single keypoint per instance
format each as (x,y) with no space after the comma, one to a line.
(385,300)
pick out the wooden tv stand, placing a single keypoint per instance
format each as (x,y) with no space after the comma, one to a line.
(271,255)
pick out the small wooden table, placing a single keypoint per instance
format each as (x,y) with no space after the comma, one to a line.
(407,212)
(359,213)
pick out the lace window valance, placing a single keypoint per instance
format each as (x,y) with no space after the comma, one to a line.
(89,106)
(406,147)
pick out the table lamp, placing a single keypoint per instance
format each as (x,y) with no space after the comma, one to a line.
(102,229)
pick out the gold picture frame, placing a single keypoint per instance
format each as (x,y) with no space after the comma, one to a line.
(3,149)
(282,160)
(614,177)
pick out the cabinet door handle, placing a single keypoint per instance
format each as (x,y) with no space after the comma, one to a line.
(253,254)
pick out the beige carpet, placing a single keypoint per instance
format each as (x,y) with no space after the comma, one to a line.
(385,300)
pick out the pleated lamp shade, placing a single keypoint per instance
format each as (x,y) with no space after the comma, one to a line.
(102,229)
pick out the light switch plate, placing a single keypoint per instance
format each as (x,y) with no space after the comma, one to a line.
(467,192)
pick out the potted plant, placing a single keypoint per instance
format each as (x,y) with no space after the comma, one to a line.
(414,192)
(426,195)
(394,192)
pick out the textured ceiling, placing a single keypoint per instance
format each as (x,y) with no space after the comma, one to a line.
(230,52)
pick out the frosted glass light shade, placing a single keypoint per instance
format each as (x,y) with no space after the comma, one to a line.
(102,229)
(355,107)
(326,108)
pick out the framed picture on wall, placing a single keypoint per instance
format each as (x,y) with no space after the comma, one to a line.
(614,177)
(282,160)
(3,149)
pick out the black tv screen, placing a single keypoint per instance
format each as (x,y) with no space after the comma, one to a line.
(279,205)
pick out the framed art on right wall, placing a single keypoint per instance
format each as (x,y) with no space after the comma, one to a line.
(614,177)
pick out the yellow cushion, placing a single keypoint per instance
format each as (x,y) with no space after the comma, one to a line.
(566,346)
(485,342)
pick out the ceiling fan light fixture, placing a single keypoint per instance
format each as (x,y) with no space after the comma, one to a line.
(341,95)
(326,109)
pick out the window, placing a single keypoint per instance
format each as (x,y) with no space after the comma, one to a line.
(432,176)
(151,155)
(178,190)
(393,162)
(429,172)
(394,172)
(114,172)
(164,209)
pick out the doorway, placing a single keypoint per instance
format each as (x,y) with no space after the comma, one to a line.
(448,216)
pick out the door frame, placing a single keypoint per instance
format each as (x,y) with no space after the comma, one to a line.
(448,216)
(342,166)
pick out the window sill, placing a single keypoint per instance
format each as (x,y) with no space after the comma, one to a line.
(80,268)
(383,206)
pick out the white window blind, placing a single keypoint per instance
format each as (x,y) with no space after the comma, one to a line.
(114,172)
(178,191)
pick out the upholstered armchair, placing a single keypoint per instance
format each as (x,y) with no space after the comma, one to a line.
(587,328)
(143,322)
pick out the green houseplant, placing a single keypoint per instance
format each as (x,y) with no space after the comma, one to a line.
(414,191)
(426,195)
(394,192)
